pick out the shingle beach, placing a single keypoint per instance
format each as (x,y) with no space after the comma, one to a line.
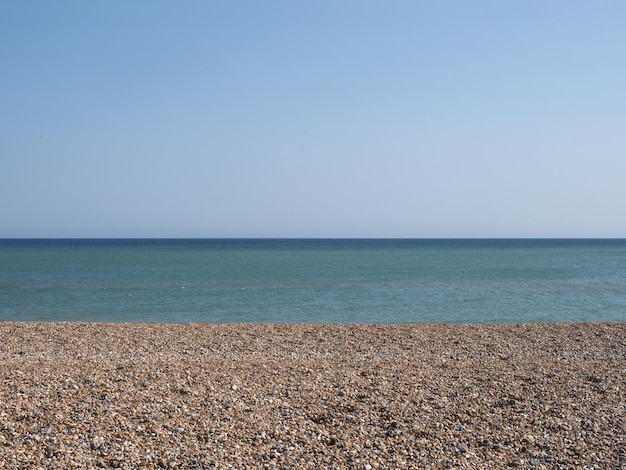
(93,395)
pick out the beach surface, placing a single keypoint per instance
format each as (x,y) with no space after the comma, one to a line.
(93,395)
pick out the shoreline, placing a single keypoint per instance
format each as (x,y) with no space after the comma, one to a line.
(133,395)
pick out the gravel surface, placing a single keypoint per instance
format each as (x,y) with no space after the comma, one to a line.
(93,395)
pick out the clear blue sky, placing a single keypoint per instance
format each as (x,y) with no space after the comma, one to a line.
(313,118)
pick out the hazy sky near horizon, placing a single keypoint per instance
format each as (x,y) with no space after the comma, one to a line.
(339,118)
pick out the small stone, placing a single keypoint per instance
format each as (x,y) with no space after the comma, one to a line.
(172,406)
(97,442)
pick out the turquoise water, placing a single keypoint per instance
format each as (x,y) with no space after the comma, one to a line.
(313,281)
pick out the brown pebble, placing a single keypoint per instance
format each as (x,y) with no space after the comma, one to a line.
(86,395)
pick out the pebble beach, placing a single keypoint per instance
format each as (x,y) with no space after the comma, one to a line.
(95,395)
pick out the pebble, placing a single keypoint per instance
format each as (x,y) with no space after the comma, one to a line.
(90,395)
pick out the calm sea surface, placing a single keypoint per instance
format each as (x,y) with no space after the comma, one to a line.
(313,281)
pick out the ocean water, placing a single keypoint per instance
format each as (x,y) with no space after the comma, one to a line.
(313,281)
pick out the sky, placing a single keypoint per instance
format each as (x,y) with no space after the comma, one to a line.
(342,118)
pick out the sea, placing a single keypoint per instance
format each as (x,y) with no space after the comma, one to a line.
(365,281)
